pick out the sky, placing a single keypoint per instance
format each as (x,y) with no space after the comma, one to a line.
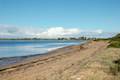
(56,18)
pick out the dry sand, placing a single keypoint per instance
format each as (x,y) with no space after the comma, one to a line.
(69,63)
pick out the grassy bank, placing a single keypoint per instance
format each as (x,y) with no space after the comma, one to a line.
(115,41)
(113,59)
(115,64)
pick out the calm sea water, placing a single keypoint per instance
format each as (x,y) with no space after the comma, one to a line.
(10,48)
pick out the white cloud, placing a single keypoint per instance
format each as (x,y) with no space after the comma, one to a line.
(99,31)
(53,32)
(56,32)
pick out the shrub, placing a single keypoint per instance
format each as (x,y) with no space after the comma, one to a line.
(115,67)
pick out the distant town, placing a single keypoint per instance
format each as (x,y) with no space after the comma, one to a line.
(62,38)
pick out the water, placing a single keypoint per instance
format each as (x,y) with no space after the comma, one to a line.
(10,48)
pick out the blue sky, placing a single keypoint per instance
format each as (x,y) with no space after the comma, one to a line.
(80,14)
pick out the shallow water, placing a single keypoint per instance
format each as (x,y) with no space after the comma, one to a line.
(10,48)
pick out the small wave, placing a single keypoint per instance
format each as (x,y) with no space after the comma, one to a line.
(51,49)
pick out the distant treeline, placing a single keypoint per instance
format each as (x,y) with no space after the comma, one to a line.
(23,39)
(80,38)
(63,38)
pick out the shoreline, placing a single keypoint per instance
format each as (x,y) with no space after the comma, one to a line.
(67,61)
(8,62)
(25,48)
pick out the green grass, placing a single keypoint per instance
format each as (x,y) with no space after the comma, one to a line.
(115,41)
(115,44)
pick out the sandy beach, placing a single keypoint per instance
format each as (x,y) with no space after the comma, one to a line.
(84,62)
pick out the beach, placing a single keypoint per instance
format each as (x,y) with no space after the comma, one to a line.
(79,62)
(59,39)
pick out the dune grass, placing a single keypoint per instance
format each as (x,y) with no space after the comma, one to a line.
(115,41)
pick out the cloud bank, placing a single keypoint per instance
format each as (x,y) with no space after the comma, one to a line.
(7,31)
(55,32)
